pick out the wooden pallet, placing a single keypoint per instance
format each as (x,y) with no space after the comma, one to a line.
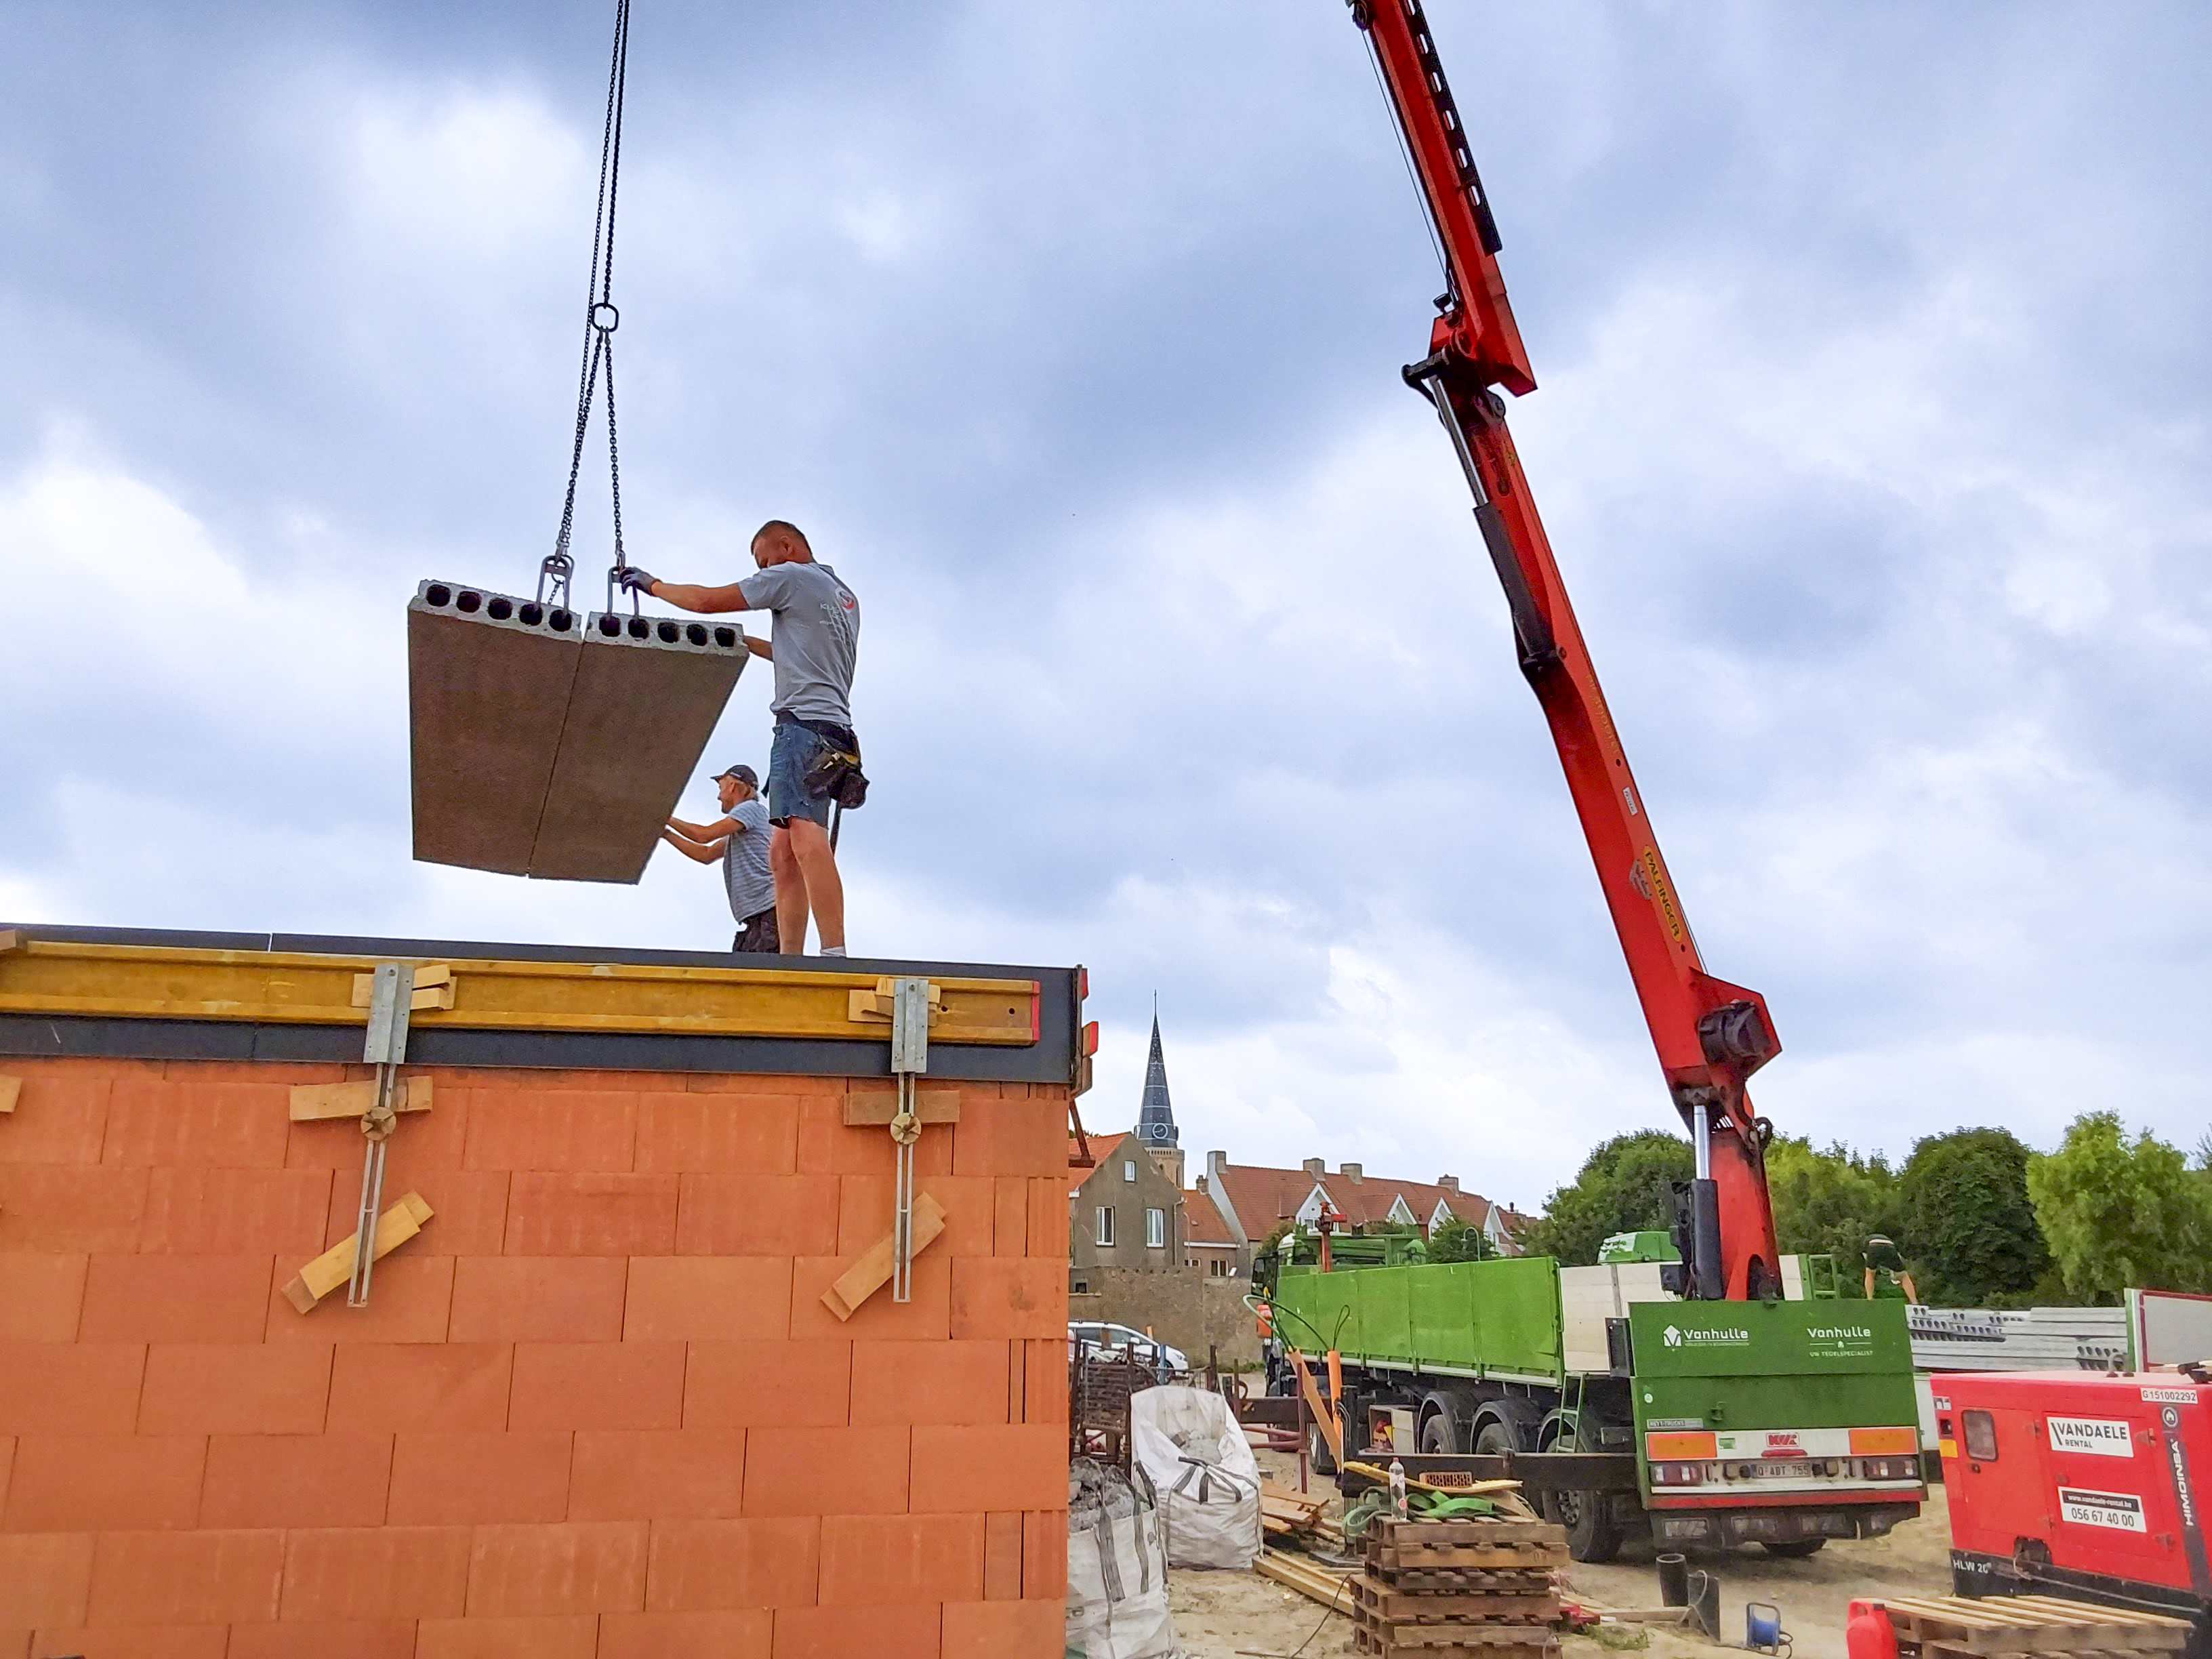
(1394,1602)
(1439,1642)
(1395,1546)
(2030,1623)
(1472,1581)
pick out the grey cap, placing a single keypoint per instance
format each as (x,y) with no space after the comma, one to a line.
(744,775)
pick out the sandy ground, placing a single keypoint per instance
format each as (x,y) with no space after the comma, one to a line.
(1234,1615)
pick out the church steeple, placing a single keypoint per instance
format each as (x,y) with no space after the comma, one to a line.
(1155,1124)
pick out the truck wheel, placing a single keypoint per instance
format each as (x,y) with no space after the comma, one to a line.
(1438,1433)
(1795,1549)
(1592,1534)
(1317,1453)
(1495,1441)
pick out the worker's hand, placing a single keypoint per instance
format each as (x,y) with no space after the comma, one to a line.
(635,580)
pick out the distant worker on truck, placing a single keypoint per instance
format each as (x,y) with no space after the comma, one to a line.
(739,839)
(816,757)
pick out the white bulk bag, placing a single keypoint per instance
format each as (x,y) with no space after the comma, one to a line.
(1117,1569)
(1190,1445)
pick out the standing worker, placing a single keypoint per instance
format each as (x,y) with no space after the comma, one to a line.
(740,839)
(814,643)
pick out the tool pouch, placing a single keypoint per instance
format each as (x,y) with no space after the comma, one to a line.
(834,775)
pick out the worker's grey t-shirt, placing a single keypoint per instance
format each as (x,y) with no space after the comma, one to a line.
(744,861)
(816,637)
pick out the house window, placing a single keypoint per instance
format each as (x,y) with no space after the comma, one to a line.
(1129,1170)
(1105,1234)
(1081,1287)
(1156,1229)
(1217,1268)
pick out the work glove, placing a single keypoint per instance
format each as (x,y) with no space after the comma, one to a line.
(635,580)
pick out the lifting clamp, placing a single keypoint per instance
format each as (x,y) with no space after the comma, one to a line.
(910,1009)
(390,999)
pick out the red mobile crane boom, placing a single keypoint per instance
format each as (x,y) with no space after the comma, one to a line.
(1711,1036)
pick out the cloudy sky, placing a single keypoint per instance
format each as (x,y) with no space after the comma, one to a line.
(1873,354)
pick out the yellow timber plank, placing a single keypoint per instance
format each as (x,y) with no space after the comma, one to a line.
(162,983)
(873,1270)
(313,1102)
(334,1267)
(10,1087)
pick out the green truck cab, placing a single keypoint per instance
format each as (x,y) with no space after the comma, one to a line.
(1781,1423)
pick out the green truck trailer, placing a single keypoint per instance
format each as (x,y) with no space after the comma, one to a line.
(1782,1423)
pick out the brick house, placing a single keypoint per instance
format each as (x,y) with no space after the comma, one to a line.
(1251,1200)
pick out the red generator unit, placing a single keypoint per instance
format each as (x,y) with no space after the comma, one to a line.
(2080,1484)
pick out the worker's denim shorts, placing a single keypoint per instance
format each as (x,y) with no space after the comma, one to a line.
(788,757)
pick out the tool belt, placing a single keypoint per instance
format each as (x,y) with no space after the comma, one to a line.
(835,773)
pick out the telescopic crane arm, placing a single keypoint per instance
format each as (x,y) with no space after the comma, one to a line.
(1711,1035)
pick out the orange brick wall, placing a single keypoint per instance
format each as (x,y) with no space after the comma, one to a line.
(597,1408)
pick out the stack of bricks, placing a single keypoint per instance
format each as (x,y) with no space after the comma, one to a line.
(1459,1590)
(597,1409)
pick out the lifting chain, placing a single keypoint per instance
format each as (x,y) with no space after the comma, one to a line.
(601,319)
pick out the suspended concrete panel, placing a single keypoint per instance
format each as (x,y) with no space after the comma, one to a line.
(648,692)
(489,679)
(549,744)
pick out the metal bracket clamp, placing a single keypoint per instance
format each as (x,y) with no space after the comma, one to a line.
(392,995)
(909,1060)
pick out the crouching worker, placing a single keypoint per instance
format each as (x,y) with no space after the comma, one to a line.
(814,642)
(739,838)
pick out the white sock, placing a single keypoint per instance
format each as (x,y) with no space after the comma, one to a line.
(833,949)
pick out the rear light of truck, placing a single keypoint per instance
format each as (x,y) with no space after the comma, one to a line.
(1889,1468)
(1678,1474)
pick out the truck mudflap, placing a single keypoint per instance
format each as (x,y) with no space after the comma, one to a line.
(1775,1524)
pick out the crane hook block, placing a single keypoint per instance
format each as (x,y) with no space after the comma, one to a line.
(551,744)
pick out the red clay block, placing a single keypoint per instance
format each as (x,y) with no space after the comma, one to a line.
(41,1297)
(176,1298)
(926,1318)
(736,1213)
(53,1388)
(832,1633)
(1044,1553)
(1000,1629)
(571,1568)
(97,1483)
(590,1215)
(864,1213)
(681,1132)
(766,1083)
(296,1480)
(425,1388)
(472,1478)
(1044,1391)
(384,1639)
(507,1638)
(376,1573)
(1009,1220)
(1049,1220)
(706,1566)
(469,1209)
(227,1126)
(686,1635)
(70,1207)
(830,1145)
(708,1298)
(869,1560)
(830,1472)
(568,1129)
(1002,1137)
(662,1474)
(1002,1558)
(597,1385)
(410,1299)
(242,1388)
(199,1212)
(1009,1296)
(133,1642)
(1014,1467)
(58,1118)
(42,1578)
(186,1577)
(767,1384)
(538,1298)
(929,1381)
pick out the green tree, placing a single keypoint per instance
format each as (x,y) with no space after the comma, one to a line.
(2119,1214)
(1626,1184)
(1829,1202)
(1458,1240)
(1966,1222)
